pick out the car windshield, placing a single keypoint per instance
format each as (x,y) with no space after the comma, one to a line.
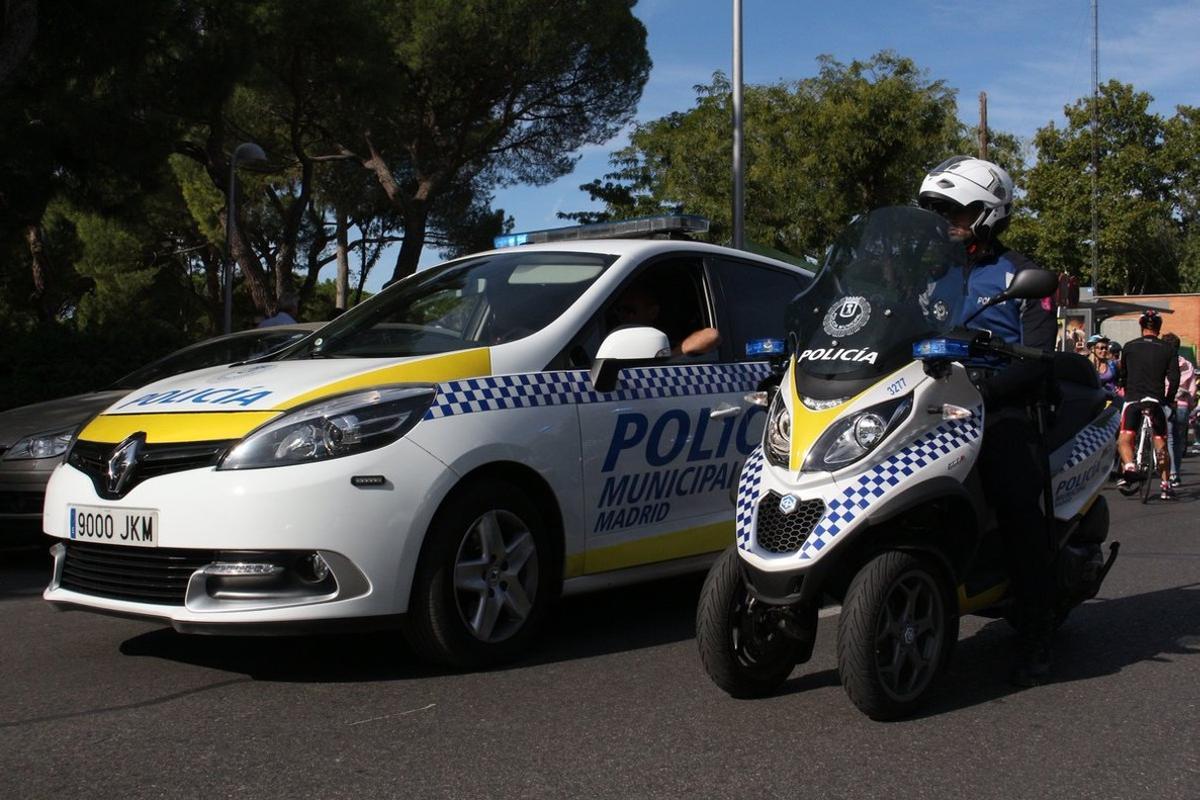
(473,302)
(876,294)
(221,350)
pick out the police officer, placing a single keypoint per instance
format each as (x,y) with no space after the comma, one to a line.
(975,197)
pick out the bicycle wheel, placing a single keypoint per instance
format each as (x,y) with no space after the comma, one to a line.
(1147,464)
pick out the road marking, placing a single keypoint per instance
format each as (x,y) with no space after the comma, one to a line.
(399,714)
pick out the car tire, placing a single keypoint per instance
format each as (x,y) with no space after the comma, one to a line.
(486,577)
(741,651)
(897,626)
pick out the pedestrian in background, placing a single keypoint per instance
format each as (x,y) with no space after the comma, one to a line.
(289,311)
(1181,407)
(1106,369)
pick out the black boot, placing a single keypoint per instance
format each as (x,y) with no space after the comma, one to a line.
(1033,651)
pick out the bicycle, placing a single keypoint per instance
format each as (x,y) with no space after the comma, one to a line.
(1145,462)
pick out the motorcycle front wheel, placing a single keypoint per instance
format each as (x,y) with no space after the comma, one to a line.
(742,647)
(897,625)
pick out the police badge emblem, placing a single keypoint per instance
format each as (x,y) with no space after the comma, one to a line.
(847,316)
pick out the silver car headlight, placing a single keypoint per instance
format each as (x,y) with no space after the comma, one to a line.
(777,435)
(852,437)
(41,445)
(332,428)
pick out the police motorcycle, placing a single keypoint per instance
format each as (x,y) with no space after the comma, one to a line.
(866,490)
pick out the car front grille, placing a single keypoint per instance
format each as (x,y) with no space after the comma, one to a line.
(777,532)
(144,574)
(91,458)
(21,502)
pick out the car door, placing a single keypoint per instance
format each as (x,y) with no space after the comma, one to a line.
(662,454)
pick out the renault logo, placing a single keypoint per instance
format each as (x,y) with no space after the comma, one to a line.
(122,462)
(787,503)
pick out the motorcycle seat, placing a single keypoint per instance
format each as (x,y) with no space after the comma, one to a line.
(1080,398)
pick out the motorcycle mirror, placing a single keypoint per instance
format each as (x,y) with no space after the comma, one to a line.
(1028,284)
(1032,284)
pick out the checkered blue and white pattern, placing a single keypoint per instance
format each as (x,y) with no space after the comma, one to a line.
(747,497)
(872,485)
(1091,439)
(533,389)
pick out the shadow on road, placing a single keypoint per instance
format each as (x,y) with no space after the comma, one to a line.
(1099,638)
(24,567)
(617,620)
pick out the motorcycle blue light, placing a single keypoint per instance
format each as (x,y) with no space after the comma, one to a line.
(941,348)
(764,347)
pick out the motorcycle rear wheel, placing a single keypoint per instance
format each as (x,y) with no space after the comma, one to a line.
(897,626)
(742,651)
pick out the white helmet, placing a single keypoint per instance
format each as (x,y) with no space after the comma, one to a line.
(971,182)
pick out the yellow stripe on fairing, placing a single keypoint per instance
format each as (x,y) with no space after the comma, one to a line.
(968,605)
(681,544)
(178,427)
(445,367)
(807,425)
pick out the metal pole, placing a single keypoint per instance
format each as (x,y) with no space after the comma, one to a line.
(230,217)
(739,222)
(1095,148)
(983,126)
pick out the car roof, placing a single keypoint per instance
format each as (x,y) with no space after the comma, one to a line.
(642,248)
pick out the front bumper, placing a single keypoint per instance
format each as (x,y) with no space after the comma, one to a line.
(23,490)
(368,538)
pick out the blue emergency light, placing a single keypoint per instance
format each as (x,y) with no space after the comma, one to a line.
(941,348)
(764,347)
(640,228)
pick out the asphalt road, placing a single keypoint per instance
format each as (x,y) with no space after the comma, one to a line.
(613,703)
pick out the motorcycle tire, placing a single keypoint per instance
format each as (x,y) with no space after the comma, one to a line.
(898,623)
(742,652)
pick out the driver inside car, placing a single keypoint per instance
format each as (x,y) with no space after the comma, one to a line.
(639,305)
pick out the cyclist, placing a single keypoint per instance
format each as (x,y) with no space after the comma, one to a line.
(1148,366)
(975,197)
(1106,369)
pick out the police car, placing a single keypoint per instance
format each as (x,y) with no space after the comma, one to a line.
(450,455)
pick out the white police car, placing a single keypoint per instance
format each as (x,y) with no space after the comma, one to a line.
(449,455)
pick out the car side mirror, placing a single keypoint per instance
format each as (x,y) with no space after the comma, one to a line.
(632,346)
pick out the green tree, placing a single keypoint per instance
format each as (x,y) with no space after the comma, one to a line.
(455,97)
(816,152)
(1139,242)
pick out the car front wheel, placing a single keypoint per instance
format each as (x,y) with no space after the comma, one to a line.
(484,581)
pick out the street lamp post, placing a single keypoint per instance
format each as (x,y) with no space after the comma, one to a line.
(251,152)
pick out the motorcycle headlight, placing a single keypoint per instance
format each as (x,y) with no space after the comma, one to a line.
(41,445)
(341,426)
(777,435)
(852,437)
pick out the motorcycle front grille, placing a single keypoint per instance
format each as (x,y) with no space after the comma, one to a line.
(777,532)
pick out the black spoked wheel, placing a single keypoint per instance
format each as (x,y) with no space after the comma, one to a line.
(897,626)
(741,645)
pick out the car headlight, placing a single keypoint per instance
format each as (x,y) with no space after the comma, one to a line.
(41,445)
(852,437)
(332,428)
(777,435)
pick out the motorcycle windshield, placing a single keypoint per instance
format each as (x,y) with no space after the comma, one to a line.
(878,292)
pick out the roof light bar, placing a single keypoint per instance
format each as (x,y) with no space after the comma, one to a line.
(640,228)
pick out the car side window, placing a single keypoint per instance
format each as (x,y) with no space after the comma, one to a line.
(756,299)
(669,294)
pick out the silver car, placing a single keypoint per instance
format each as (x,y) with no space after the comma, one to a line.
(34,438)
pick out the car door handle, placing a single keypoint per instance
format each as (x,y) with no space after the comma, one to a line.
(724,410)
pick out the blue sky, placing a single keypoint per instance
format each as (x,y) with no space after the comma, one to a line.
(1032,57)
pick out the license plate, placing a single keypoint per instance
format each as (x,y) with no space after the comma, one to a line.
(134,527)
